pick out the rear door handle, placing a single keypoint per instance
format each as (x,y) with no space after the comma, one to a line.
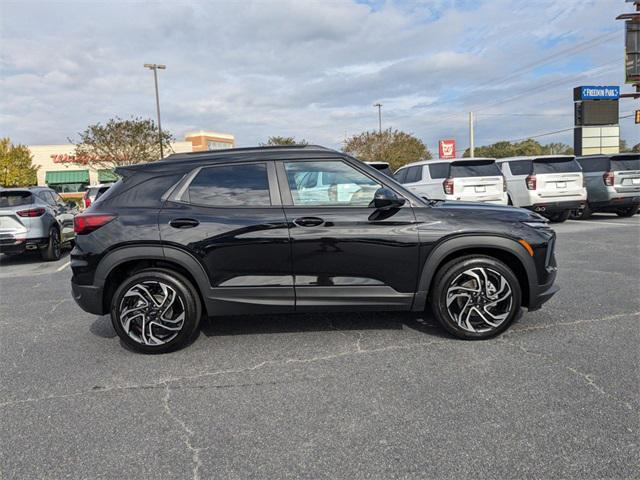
(308,221)
(184,223)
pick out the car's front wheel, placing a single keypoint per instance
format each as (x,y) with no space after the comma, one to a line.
(475,297)
(155,311)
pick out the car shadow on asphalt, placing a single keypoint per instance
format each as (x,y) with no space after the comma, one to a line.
(300,323)
(29,258)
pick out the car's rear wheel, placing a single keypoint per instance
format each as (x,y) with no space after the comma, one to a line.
(52,251)
(475,297)
(156,311)
(559,217)
(627,212)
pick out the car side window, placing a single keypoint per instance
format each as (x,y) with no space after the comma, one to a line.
(231,186)
(439,170)
(594,164)
(520,167)
(414,174)
(342,185)
(401,175)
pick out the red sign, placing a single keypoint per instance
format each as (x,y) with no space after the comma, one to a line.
(66,158)
(447,149)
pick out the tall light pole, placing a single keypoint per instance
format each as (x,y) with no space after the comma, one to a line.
(471,136)
(379,105)
(155,67)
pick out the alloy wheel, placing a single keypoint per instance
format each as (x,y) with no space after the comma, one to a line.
(479,300)
(151,313)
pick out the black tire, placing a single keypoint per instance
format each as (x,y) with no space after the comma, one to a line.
(188,296)
(53,250)
(627,212)
(453,270)
(582,214)
(559,217)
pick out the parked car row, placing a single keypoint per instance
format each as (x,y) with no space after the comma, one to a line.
(555,186)
(39,219)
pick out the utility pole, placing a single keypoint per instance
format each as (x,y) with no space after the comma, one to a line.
(379,105)
(471,136)
(155,67)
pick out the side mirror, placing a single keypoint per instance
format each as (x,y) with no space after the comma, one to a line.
(385,198)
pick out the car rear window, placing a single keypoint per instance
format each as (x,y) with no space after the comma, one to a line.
(482,168)
(625,163)
(555,165)
(15,199)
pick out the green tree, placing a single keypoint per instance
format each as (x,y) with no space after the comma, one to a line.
(393,146)
(514,149)
(16,168)
(623,146)
(121,142)
(636,148)
(275,140)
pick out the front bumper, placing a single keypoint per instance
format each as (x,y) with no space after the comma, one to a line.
(88,298)
(542,297)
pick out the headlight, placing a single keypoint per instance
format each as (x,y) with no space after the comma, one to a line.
(535,224)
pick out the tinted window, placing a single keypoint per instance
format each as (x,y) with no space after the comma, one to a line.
(594,164)
(439,170)
(337,184)
(14,199)
(520,167)
(101,192)
(46,198)
(231,185)
(400,175)
(414,174)
(556,165)
(138,191)
(631,162)
(474,169)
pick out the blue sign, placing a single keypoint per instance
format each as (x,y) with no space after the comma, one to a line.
(598,93)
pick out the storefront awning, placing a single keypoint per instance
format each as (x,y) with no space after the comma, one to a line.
(105,175)
(66,176)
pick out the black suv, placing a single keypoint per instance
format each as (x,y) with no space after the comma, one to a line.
(297,229)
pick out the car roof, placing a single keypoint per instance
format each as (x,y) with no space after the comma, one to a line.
(180,161)
(435,161)
(533,157)
(24,189)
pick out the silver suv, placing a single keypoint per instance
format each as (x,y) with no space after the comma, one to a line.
(613,184)
(34,218)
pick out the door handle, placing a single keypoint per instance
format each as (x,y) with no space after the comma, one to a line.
(308,221)
(184,223)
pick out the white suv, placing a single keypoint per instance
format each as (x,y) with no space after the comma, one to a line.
(552,185)
(465,179)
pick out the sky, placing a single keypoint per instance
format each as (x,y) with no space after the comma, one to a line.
(309,69)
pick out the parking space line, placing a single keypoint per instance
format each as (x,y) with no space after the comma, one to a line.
(604,223)
(59,269)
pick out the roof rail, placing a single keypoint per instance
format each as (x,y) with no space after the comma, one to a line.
(249,149)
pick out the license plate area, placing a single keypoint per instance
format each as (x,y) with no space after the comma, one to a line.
(561,184)
(481,189)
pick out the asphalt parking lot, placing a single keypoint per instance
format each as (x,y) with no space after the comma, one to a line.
(379,395)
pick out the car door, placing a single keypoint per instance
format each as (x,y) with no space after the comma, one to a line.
(230,218)
(64,215)
(344,252)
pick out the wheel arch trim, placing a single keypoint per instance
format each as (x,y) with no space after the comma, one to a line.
(470,242)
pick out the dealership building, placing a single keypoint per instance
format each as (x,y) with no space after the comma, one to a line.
(60,170)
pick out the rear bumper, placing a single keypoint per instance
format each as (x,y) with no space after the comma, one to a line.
(616,203)
(543,207)
(19,245)
(88,298)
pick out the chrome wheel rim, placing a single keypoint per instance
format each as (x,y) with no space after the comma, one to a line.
(151,313)
(479,300)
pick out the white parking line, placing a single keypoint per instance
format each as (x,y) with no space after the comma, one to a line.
(62,267)
(605,223)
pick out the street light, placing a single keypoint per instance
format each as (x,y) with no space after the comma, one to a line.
(155,67)
(379,105)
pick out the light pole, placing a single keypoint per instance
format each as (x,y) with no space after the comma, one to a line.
(379,105)
(155,67)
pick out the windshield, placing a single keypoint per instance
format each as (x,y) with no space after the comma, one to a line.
(555,165)
(14,199)
(481,168)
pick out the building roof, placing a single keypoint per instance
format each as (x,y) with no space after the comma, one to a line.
(205,133)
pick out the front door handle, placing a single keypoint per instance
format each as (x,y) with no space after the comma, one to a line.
(184,223)
(308,221)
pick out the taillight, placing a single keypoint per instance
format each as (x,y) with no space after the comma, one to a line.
(448,186)
(32,212)
(531,182)
(608,178)
(584,181)
(87,202)
(88,222)
(504,184)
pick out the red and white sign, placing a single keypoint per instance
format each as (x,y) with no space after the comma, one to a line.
(447,149)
